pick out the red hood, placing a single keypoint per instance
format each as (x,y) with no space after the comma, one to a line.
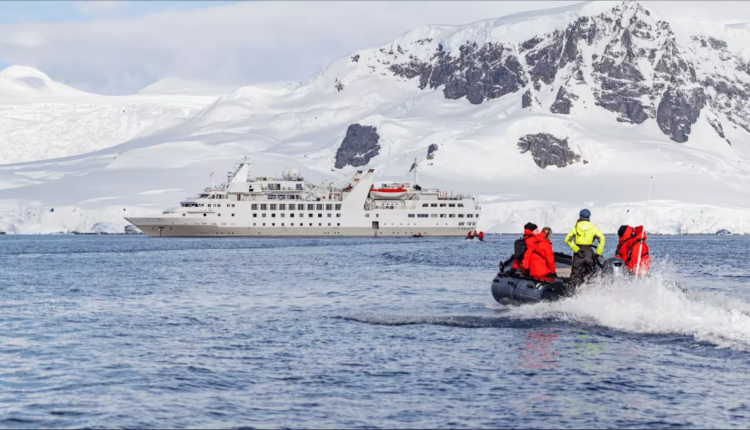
(628,233)
(527,232)
(638,231)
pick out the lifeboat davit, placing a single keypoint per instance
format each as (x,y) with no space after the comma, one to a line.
(387,193)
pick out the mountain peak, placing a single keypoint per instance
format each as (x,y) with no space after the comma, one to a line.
(21,72)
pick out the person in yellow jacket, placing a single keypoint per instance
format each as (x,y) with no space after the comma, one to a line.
(581,240)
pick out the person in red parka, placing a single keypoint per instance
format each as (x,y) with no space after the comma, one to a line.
(625,233)
(539,259)
(634,247)
(529,230)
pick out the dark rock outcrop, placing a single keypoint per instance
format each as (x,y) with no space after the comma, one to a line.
(477,73)
(431,151)
(526,100)
(678,111)
(339,86)
(359,146)
(563,102)
(547,150)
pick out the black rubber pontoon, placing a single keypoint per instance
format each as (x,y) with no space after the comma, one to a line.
(510,288)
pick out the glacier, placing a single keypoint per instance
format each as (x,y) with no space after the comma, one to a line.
(640,101)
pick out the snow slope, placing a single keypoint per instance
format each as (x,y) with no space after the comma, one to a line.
(475,113)
(43,119)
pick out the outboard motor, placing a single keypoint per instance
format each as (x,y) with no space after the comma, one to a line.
(613,268)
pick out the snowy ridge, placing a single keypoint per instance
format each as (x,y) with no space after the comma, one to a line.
(610,94)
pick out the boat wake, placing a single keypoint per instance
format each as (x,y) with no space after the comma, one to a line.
(651,306)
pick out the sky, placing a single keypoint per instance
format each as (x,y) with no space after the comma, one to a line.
(120,47)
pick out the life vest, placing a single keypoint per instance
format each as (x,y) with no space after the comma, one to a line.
(633,247)
(622,250)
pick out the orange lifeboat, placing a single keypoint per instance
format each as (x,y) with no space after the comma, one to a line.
(388,192)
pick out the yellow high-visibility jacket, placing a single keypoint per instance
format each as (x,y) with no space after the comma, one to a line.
(584,233)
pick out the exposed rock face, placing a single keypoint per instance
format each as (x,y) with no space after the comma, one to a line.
(526,100)
(678,111)
(339,86)
(547,150)
(359,146)
(641,70)
(431,151)
(477,73)
(563,102)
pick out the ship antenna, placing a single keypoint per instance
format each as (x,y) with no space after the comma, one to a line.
(415,172)
(212,181)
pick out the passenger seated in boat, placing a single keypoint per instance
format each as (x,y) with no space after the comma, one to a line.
(539,259)
(519,248)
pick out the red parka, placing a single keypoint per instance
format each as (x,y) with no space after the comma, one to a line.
(539,259)
(528,237)
(634,246)
(621,251)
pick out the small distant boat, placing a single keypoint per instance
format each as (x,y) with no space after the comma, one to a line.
(724,233)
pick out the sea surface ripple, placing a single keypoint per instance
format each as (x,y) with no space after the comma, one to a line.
(115,331)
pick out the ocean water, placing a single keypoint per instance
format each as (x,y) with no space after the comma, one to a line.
(115,331)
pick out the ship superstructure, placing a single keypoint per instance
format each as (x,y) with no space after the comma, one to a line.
(290,206)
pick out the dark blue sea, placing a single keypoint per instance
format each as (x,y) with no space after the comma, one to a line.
(116,331)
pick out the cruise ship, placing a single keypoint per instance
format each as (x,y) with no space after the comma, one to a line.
(289,206)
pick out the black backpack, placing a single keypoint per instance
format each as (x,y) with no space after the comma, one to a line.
(519,248)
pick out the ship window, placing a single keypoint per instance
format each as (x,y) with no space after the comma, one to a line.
(232,214)
(183,214)
(299,186)
(273,206)
(367,215)
(290,197)
(320,215)
(282,224)
(253,224)
(422,216)
(281,197)
(310,206)
(273,215)
(460,224)
(204,214)
(329,215)
(338,215)
(254,206)
(273,224)
(442,215)
(301,215)
(433,216)
(292,224)
(329,224)
(264,215)
(424,205)
(264,224)
(320,225)
(434,205)
(470,216)
(291,215)
(452,216)
(338,224)
(451,205)
(460,215)
(309,215)
(282,215)
(460,205)
(310,224)
(255,215)
(264,207)
(282,207)
(300,207)
(442,205)
(319,207)
(338,207)
(329,207)
(412,216)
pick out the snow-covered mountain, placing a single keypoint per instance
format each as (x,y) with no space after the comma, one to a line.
(539,114)
(43,119)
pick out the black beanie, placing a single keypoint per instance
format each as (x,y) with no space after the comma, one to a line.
(530,226)
(621,230)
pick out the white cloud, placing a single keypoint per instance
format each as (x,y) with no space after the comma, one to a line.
(248,42)
(98,6)
(26,39)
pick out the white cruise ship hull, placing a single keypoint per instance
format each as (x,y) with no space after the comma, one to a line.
(159,227)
